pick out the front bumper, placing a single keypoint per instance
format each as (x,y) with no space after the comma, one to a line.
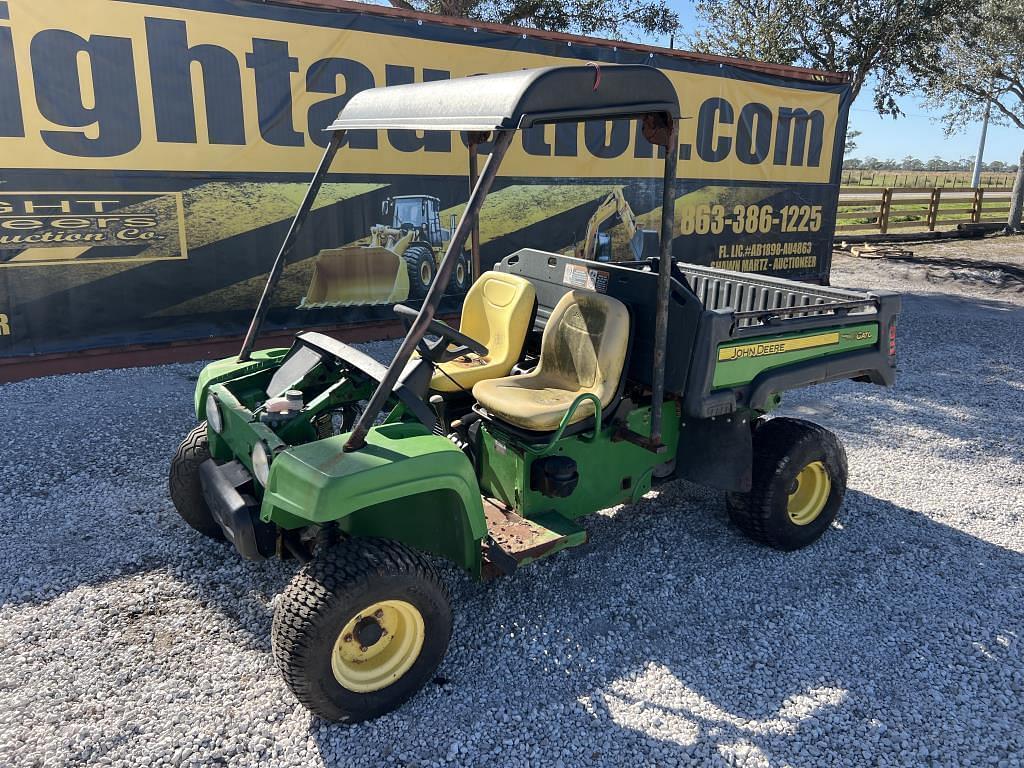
(236,512)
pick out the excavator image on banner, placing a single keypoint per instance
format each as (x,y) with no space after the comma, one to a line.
(396,263)
(597,245)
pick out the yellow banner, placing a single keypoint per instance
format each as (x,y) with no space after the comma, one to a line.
(123,86)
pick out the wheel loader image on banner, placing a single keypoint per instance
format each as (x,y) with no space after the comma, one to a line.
(597,245)
(397,262)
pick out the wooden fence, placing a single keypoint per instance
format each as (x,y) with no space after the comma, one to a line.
(867,210)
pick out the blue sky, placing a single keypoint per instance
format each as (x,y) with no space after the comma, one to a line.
(917,134)
(914,134)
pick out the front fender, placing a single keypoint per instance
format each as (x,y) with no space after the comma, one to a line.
(406,484)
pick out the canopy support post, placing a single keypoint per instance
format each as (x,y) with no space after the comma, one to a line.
(474,175)
(668,211)
(289,242)
(418,328)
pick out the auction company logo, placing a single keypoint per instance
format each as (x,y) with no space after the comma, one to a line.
(69,225)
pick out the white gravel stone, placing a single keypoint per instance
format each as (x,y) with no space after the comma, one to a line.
(128,640)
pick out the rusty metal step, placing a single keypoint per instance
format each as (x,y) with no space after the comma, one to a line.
(513,540)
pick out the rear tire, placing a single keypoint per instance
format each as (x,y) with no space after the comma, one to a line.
(799,480)
(186,490)
(461,277)
(361,629)
(419,261)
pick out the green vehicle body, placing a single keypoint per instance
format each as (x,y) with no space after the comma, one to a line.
(420,488)
(742,370)
(412,485)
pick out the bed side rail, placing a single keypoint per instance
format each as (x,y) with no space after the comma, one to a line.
(875,364)
(759,299)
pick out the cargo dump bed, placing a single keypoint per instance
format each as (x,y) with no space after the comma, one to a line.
(768,334)
(735,340)
(755,297)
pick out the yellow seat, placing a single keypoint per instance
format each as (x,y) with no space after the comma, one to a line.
(583,350)
(496,312)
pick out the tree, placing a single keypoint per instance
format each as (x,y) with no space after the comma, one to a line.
(750,29)
(936,164)
(877,39)
(851,141)
(614,17)
(981,61)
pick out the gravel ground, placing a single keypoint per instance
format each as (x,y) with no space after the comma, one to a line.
(128,640)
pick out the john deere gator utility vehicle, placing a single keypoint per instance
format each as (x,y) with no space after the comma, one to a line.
(571,386)
(396,263)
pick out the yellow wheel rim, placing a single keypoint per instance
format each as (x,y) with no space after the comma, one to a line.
(460,274)
(377,646)
(426,272)
(813,485)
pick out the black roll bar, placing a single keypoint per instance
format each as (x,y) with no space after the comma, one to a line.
(289,242)
(418,328)
(668,210)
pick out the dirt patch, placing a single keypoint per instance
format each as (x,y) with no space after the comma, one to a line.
(992,266)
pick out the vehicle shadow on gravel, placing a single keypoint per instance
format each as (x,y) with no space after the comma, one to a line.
(895,628)
(671,636)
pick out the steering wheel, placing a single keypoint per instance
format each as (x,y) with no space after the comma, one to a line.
(441,351)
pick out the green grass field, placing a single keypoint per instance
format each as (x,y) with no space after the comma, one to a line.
(930,179)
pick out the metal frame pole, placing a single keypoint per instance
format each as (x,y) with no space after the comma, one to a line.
(289,241)
(418,328)
(474,175)
(668,217)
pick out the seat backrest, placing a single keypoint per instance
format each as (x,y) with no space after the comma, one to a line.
(554,274)
(585,343)
(497,312)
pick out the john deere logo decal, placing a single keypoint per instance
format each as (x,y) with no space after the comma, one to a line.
(726,354)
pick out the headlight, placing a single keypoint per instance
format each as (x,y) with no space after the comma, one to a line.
(260,463)
(213,417)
